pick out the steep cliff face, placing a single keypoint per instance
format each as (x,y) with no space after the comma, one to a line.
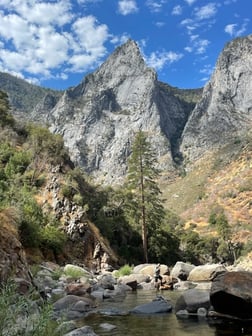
(98,118)
(225,111)
(13,261)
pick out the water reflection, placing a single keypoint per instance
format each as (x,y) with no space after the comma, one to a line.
(160,324)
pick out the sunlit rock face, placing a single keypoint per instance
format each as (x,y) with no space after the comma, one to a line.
(99,118)
(224,114)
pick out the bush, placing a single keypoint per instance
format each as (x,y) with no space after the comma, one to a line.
(78,199)
(124,270)
(19,315)
(53,238)
(74,272)
(31,223)
(17,163)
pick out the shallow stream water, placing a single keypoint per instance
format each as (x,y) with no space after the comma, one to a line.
(160,324)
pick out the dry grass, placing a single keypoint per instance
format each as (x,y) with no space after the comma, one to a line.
(215,182)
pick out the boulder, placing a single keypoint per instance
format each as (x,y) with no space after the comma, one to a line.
(231,294)
(78,289)
(149,269)
(191,300)
(106,281)
(181,270)
(83,331)
(107,326)
(205,272)
(135,277)
(69,301)
(157,306)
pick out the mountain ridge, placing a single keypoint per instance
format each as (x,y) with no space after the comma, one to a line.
(92,116)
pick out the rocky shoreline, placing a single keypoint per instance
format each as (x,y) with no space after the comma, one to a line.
(75,292)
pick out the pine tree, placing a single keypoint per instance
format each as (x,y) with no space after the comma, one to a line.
(144,207)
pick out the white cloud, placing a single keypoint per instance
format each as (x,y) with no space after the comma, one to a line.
(230,29)
(126,7)
(177,10)
(160,24)
(190,2)
(39,37)
(235,30)
(229,2)
(201,45)
(197,45)
(158,60)
(40,12)
(188,49)
(207,69)
(118,40)
(84,2)
(155,6)
(206,12)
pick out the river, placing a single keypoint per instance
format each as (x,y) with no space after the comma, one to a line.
(160,324)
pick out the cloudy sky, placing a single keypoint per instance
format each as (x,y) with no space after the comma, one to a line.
(54,43)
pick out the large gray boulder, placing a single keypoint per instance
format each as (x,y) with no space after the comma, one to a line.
(191,300)
(205,272)
(149,269)
(181,270)
(73,306)
(157,306)
(231,294)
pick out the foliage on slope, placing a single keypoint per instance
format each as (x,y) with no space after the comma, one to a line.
(23,95)
(220,182)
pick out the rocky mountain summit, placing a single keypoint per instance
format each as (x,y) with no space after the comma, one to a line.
(99,117)
(224,113)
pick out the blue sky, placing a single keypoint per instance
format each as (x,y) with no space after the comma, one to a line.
(55,43)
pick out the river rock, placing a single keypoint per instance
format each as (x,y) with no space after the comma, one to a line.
(107,326)
(106,281)
(157,306)
(191,300)
(181,270)
(74,306)
(149,269)
(83,331)
(78,289)
(134,277)
(231,294)
(205,272)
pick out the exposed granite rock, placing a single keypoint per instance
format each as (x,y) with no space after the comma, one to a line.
(225,110)
(231,294)
(99,117)
(85,244)
(13,261)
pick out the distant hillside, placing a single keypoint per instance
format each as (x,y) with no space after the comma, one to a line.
(220,181)
(23,96)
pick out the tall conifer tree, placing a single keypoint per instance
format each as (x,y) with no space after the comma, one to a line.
(144,206)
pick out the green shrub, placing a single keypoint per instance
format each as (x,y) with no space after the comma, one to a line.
(19,315)
(74,272)
(17,163)
(31,223)
(67,191)
(124,270)
(6,151)
(78,199)
(53,238)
